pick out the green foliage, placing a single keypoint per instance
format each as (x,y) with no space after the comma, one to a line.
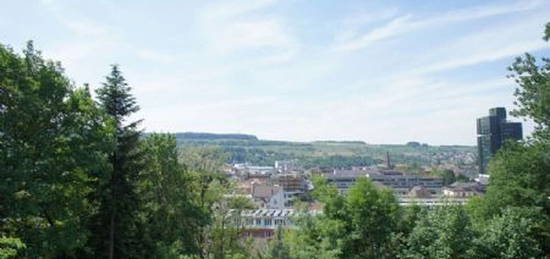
(169,215)
(511,235)
(52,139)
(315,238)
(222,236)
(547,32)
(78,181)
(519,177)
(374,214)
(447,175)
(445,232)
(211,136)
(277,247)
(320,153)
(116,233)
(203,159)
(359,225)
(10,247)
(533,92)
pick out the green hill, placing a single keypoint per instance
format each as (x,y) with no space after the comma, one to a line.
(327,153)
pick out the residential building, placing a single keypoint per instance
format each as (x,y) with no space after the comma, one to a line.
(268,196)
(251,171)
(420,192)
(463,190)
(482,179)
(262,223)
(285,166)
(293,186)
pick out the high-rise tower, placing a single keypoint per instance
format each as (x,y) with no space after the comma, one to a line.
(492,133)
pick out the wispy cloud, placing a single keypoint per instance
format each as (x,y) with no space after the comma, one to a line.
(154,56)
(388,30)
(486,46)
(234,8)
(243,26)
(263,33)
(407,23)
(486,56)
(299,70)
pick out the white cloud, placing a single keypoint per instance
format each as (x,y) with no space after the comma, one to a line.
(87,28)
(154,56)
(244,26)
(486,46)
(394,27)
(234,8)
(253,34)
(486,56)
(243,66)
(406,23)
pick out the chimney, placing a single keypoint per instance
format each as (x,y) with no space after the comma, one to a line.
(388,162)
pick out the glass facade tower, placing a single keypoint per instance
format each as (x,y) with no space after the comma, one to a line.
(492,133)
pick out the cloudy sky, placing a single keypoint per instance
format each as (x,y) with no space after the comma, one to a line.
(377,71)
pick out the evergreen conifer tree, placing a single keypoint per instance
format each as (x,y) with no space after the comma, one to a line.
(117,233)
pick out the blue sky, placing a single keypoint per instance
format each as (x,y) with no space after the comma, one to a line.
(377,71)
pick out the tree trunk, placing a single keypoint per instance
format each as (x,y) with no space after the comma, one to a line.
(113,208)
(112,236)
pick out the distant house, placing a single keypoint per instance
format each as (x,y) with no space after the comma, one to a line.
(293,186)
(247,171)
(482,179)
(420,192)
(462,190)
(268,196)
(285,166)
(262,223)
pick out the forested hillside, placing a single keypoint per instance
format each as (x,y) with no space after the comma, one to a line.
(248,148)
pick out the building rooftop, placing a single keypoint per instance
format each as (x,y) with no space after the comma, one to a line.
(346,174)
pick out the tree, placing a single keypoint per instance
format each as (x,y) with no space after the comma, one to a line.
(52,144)
(374,215)
(221,237)
(510,235)
(533,93)
(117,186)
(10,247)
(277,247)
(318,236)
(519,172)
(224,234)
(445,232)
(447,175)
(546,36)
(359,225)
(169,214)
(315,237)
(519,178)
